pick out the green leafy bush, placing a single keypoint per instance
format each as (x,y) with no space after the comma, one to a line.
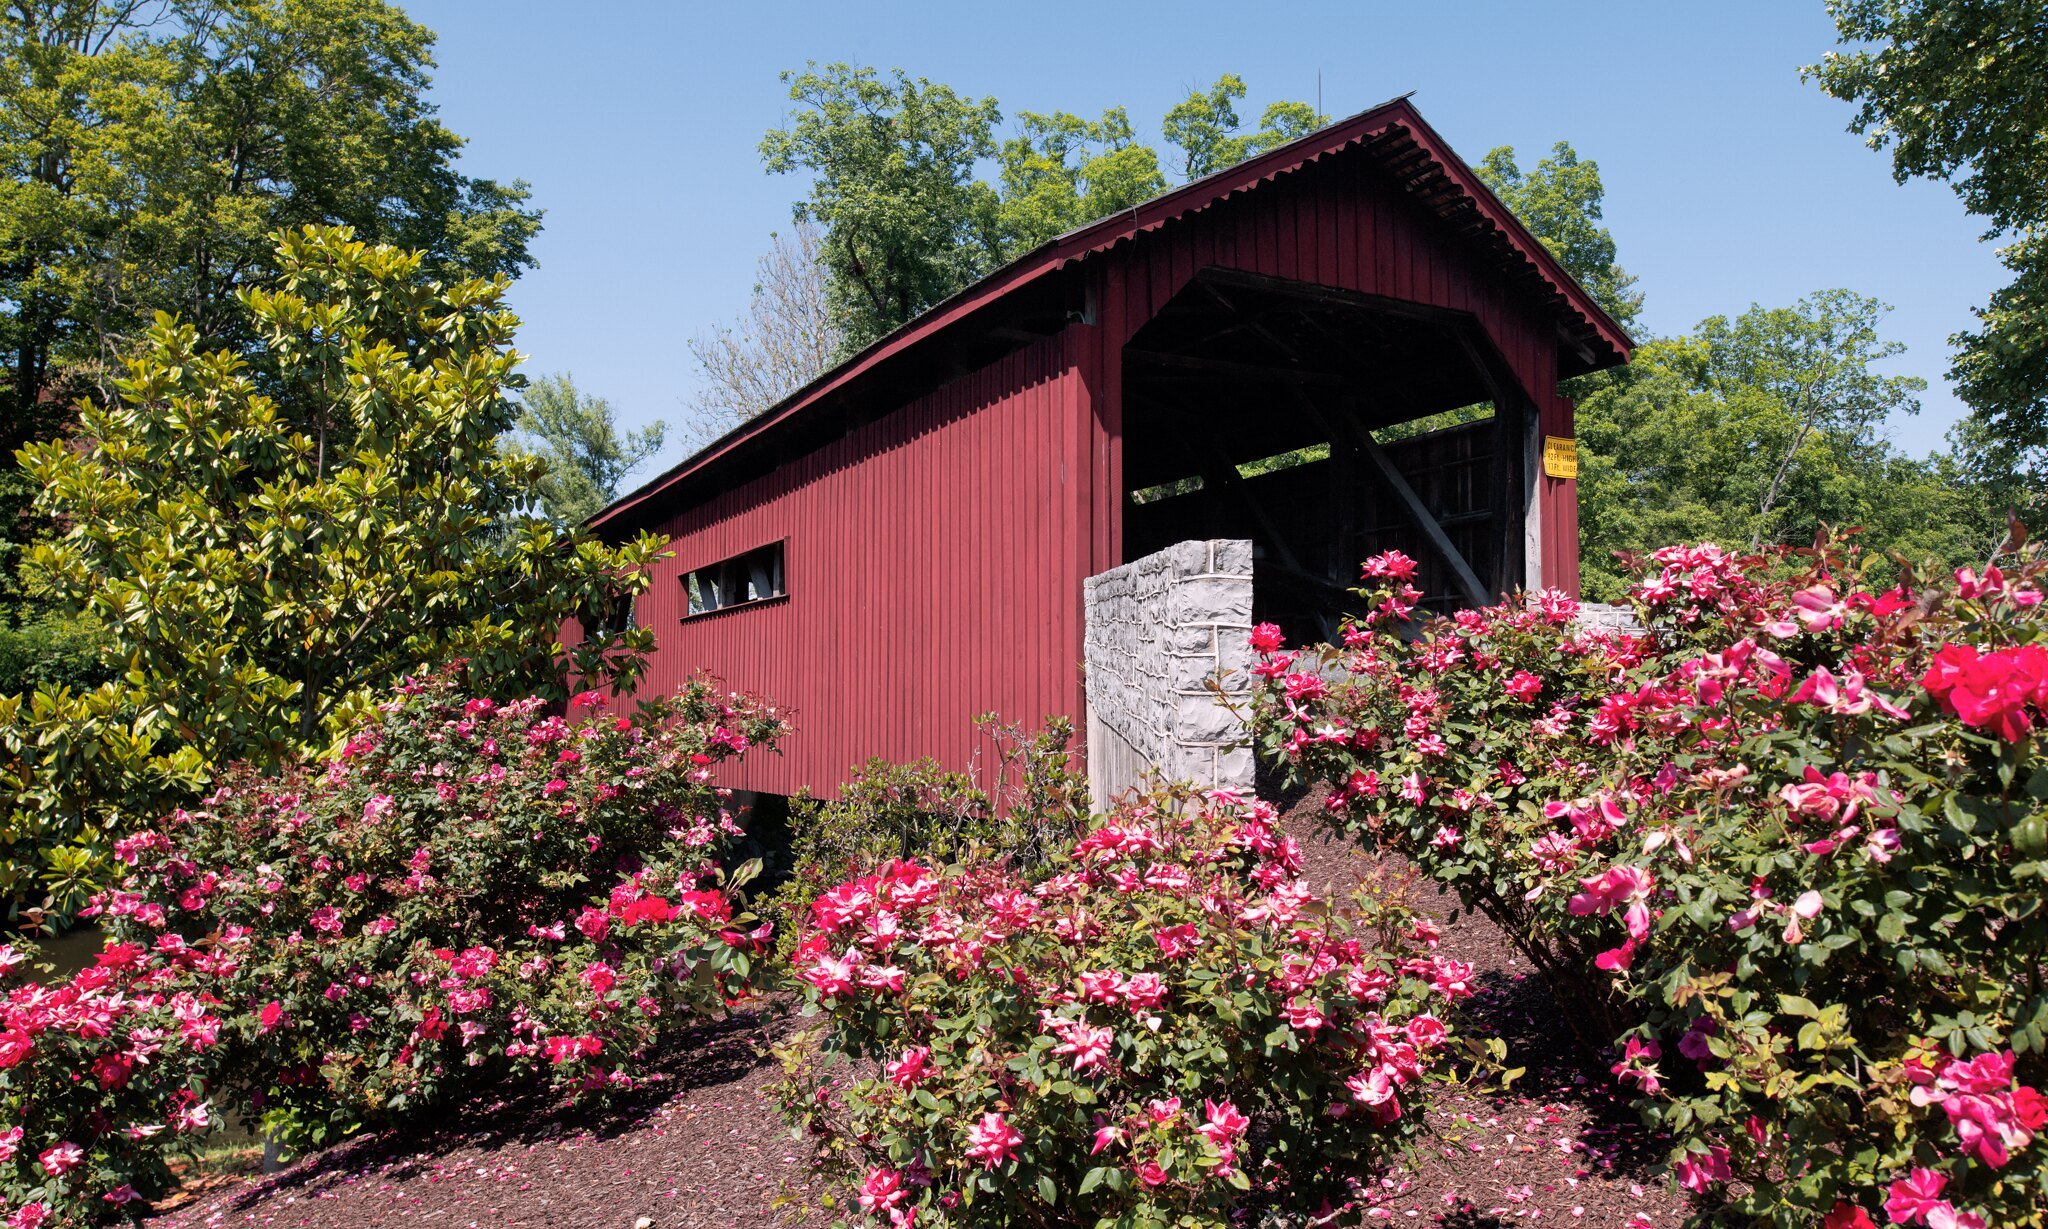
(1789,840)
(922,810)
(268,538)
(1163,1027)
(464,891)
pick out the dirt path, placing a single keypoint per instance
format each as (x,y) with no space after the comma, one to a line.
(706,1149)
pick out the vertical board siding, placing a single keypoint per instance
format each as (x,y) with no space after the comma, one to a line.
(926,574)
(935,555)
(1346,224)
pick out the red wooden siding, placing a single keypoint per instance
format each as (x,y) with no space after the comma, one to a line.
(1339,223)
(934,556)
(934,567)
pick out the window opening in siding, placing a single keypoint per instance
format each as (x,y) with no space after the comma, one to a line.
(1284,460)
(742,580)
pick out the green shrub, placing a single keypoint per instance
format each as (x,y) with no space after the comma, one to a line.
(266,539)
(1790,839)
(921,810)
(1163,1026)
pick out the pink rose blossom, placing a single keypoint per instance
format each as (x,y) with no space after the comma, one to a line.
(992,1140)
(912,1069)
(62,1159)
(1914,1196)
(882,1190)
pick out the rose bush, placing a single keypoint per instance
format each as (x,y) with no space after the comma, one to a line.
(922,810)
(1448,742)
(1788,840)
(1160,1027)
(102,1079)
(465,891)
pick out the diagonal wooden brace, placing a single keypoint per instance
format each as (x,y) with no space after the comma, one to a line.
(1474,591)
(1410,502)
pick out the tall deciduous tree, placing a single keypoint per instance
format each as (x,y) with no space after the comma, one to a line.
(1563,203)
(588,457)
(1957,90)
(1760,428)
(147,153)
(1205,127)
(272,537)
(1813,367)
(906,220)
(1060,171)
(785,338)
(892,163)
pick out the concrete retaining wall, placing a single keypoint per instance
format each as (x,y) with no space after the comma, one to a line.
(1158,629)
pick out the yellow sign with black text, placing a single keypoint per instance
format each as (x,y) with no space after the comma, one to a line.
(1560,457)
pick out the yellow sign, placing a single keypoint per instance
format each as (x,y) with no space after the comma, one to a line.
(1560,457)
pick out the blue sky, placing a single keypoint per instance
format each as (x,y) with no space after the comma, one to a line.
(1729,181)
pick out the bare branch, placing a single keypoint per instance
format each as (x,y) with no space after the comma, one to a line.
(785,339)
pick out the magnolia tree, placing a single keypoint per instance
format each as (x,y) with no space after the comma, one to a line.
(270,538)
(466,891)
(1162,1027)
(1788,842)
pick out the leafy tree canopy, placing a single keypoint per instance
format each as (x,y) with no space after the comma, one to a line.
(1204,127)
(1760,428)
(1753,429)
(895,165)
(1061,171)
(270,538)
(1563,203)
(587,455)
(148,151)
(892,159)
(1957,90)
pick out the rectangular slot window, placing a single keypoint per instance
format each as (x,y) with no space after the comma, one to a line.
(742,580)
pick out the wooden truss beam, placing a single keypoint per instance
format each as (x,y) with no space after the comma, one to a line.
(1411,503)
(1248,371)
(1405,494)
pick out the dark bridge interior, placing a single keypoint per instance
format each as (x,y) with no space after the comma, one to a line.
(1325,426)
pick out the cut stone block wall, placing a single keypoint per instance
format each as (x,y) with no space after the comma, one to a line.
(1157,630)
(1616,618)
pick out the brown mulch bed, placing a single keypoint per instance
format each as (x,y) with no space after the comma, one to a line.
(706,1146)
(1561,1145)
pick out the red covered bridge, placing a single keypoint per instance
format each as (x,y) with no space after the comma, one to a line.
(901,544)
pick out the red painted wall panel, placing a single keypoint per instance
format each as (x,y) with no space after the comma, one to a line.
(934,570)
(935,556)
(1342,224)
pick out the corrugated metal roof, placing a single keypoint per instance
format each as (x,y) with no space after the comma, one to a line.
(1393,133)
